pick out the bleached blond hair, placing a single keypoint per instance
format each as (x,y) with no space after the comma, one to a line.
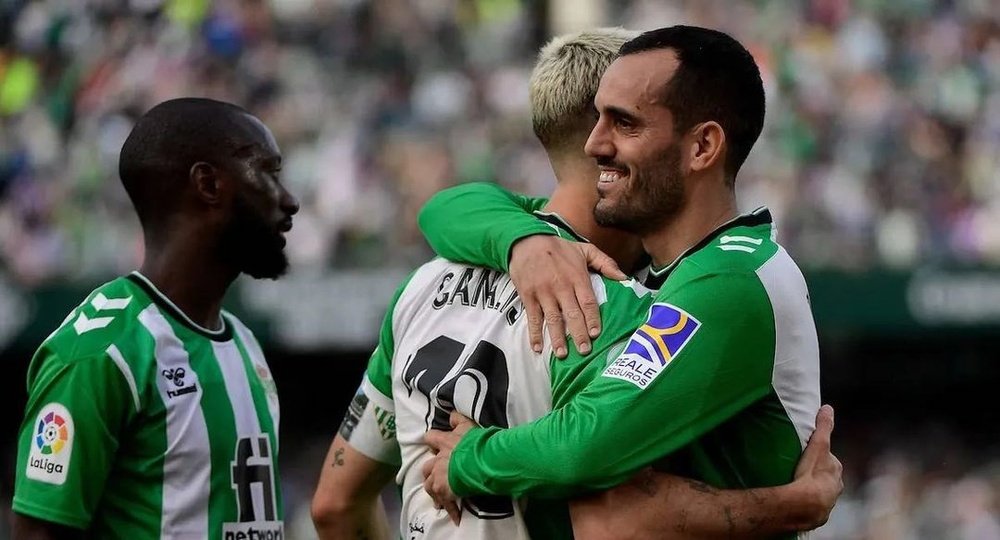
(565,80)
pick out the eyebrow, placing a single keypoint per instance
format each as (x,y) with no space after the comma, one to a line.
(244,151)
(621,113)
(271,161)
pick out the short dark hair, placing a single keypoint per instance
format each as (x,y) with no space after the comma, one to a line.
(168,140)
(717,79)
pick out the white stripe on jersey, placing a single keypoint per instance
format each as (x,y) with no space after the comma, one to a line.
(234,375)
(119,361)
(187,465)
(795,378)
(257,359)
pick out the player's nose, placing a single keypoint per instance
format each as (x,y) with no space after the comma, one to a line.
(599,143)
(288,202)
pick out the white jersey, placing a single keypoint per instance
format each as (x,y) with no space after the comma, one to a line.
(455,338)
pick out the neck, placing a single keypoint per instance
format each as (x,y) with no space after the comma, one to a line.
(574,199)
(708,204)
(189,274)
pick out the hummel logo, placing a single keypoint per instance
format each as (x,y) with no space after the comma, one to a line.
(176,376)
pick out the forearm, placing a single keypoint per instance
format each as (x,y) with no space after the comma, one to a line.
(591,443)
(478,223)
(552,458)
(347,503)
(655,505)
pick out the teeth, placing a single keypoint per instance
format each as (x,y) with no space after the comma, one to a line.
(610,176)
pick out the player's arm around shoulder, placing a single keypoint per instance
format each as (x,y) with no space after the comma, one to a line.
(478,222)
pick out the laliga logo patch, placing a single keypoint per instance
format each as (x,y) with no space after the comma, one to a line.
(52,445)
(667,330)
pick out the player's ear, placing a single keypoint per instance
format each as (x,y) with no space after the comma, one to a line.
(708,141)
(207,182)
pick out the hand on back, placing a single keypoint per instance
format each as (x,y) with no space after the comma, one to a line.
(551,275)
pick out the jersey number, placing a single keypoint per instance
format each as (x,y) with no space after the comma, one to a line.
(481,384)
(253,466)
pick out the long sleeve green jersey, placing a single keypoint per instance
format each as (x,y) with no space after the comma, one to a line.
(719,381)
(479,223)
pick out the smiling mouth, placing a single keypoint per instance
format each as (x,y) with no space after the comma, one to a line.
(609,177)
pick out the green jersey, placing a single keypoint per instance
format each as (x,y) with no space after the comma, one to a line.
(719,381)
(142,424)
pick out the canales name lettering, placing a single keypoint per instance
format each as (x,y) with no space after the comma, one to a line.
(482,288)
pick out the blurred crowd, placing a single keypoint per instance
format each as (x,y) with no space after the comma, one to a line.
(881,149)
(882,143)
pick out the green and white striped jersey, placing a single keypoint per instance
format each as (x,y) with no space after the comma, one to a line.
(142,424)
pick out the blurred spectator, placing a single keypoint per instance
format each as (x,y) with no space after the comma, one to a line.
(882,144)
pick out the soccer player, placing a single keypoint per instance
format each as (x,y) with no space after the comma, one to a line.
(151,412)
(455,337)
(720,380)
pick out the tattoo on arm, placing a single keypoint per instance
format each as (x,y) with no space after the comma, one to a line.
(701,486)
(647,484)
(338,457)
(729,521)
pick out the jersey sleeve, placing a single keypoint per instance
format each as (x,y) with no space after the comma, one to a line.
(704,354)
(478,223)
(76,410)
(370,423)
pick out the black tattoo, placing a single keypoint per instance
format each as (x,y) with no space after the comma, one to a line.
(756,522)
(361,534)
(338,457)
(701,486)
(729,520)
(647,484)
(681,525)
